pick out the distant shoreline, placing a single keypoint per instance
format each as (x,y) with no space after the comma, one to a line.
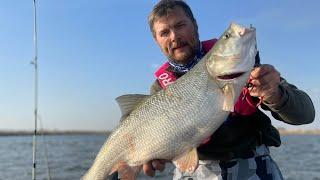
(282,131)
(51,132)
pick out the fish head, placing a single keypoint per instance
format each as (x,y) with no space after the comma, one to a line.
(233,55)
(230,61)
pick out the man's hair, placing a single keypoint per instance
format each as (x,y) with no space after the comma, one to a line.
(163,7)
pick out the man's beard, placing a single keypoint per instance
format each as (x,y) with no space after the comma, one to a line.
(188,53)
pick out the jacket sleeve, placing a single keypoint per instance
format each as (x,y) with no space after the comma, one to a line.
(295,106)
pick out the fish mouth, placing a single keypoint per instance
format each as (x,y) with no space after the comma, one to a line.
(230,76)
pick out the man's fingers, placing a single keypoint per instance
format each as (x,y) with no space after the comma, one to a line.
(261,71)
(158,165)
(151,167)
(261,91)
(265,80)
(148,169)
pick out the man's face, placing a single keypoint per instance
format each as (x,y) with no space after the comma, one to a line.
(177,35)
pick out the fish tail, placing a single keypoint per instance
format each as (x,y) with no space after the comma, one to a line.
(99,170)
(104,163)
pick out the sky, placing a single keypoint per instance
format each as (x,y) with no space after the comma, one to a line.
(92,51)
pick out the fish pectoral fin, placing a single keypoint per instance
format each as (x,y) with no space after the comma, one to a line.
(188,162)
(129,102)
(229,97)
(125,171)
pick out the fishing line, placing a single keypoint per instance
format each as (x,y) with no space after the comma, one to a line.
(44,141)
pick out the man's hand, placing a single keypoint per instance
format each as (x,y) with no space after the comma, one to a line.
(151,167)
(265,81)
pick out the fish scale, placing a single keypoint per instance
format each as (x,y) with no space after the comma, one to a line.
(174,121)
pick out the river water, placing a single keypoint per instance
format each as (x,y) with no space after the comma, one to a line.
(69,156)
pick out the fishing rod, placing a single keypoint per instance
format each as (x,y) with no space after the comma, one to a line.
(35,63)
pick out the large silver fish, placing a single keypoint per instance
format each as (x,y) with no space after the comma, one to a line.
(172,123)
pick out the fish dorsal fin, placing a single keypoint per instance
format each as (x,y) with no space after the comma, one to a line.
(129,102)
(188,162)
(229,97)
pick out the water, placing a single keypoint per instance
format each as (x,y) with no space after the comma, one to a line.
(70,156)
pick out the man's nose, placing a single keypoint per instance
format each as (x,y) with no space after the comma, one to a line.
(174,35)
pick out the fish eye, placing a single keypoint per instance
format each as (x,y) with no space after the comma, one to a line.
(226,36)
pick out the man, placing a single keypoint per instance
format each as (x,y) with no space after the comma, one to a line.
(239,148)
